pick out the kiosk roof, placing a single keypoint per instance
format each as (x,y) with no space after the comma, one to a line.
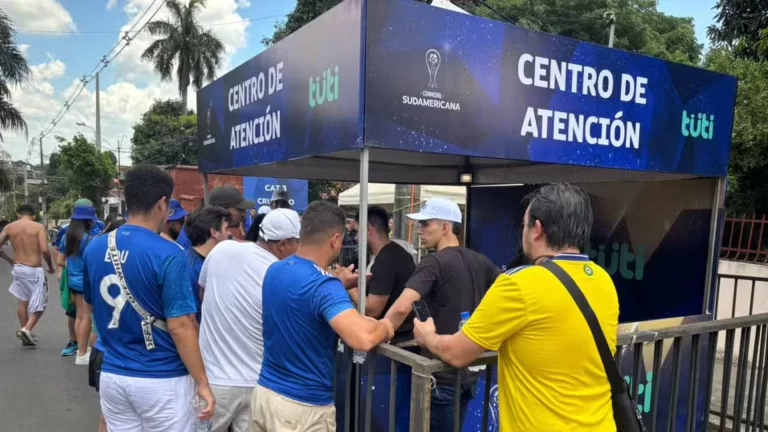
(448,92)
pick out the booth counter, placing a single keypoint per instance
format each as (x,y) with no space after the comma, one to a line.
(395,91)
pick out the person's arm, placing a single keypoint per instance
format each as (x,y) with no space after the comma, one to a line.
(359,332)
(363,334)
(3,255)
(457,349)
(402,307)
(42,242)
(501,314)
(179,308)
(418,286)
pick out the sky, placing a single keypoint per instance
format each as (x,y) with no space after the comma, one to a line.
(65,39)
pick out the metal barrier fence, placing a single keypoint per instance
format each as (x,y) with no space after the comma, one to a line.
(743,239)
(695,389)
(740,295)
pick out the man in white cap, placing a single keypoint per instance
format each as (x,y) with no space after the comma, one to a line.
(231,337)
(451,281)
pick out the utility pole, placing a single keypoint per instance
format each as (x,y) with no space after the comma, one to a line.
(13,186)
(26,186)
(119,193)
(42,185)
(611,17)
(98,114)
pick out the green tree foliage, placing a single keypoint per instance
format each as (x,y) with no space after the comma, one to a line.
(742,25)
(640,27)
(748,168)
(306,11)
(87,172)
(166,135)
(13,71)
(195,51)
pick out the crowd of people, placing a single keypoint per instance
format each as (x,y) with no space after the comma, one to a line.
(240,309)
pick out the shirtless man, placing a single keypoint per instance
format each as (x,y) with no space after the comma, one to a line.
(29,242)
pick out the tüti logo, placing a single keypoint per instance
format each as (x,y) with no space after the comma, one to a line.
(698,125)
(621,259)
(644,392)
(324,88)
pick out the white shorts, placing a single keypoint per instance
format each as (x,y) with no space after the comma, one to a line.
(29,285)
(147,404)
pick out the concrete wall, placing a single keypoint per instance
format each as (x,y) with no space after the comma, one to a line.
(740,296)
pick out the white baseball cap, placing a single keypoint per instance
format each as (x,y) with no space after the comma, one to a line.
(264,209)
(438,208)
(280,224)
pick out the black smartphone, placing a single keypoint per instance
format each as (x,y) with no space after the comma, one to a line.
(421,310)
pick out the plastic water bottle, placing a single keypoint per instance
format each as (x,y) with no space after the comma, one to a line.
(464,319)
(201,425)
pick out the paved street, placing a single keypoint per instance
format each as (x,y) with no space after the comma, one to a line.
(41,391)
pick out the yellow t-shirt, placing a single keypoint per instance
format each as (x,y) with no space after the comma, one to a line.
(550,374)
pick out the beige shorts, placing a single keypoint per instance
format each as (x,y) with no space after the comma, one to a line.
(272,412)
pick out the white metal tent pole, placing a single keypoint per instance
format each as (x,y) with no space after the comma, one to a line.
(362,242)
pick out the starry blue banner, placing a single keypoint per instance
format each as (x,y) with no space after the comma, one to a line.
(403,75)
(444,82)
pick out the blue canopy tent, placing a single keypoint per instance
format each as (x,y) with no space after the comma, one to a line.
(399,91)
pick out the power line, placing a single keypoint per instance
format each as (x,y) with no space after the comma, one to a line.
(100,66)
(35,31)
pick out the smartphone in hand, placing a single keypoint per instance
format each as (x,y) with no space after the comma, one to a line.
(421,310)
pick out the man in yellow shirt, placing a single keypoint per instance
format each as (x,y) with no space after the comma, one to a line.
(550,374)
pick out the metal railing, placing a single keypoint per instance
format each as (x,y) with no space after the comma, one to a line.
(684,388)
(740,295)
(743,239)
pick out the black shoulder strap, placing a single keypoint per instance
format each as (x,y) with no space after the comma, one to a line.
(611,370)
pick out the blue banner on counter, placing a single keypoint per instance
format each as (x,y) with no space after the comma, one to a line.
(444,82)
(649,236)
(260,190)
(300,97)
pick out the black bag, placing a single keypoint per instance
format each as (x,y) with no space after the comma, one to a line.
(625,412)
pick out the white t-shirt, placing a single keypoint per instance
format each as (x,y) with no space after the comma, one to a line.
(231,332)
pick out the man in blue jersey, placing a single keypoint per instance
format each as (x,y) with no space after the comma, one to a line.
(144,309)
(71,312)
(177,217)
(305,307)
(207,227)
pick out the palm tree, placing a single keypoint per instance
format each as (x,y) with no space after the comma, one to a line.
(195,52)
(13,71)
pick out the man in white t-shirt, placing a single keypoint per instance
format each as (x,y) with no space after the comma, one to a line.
(231,338)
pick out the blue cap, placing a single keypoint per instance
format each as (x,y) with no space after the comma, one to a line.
(465,316)
(84,213)
(176,211)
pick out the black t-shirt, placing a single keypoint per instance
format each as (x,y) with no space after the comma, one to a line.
(452,281)
(391,269)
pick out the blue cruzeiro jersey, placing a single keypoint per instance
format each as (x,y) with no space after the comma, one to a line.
(96,229)
(300,300)
(157,275)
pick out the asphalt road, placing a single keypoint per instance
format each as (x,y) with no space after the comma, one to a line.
(41,391)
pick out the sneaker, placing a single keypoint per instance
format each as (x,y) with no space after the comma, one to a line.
(70,349)
(26,336)
(83,360)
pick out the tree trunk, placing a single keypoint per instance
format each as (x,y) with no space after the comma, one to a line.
(184,94)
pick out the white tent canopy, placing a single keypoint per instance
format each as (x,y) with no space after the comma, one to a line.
(384,194)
